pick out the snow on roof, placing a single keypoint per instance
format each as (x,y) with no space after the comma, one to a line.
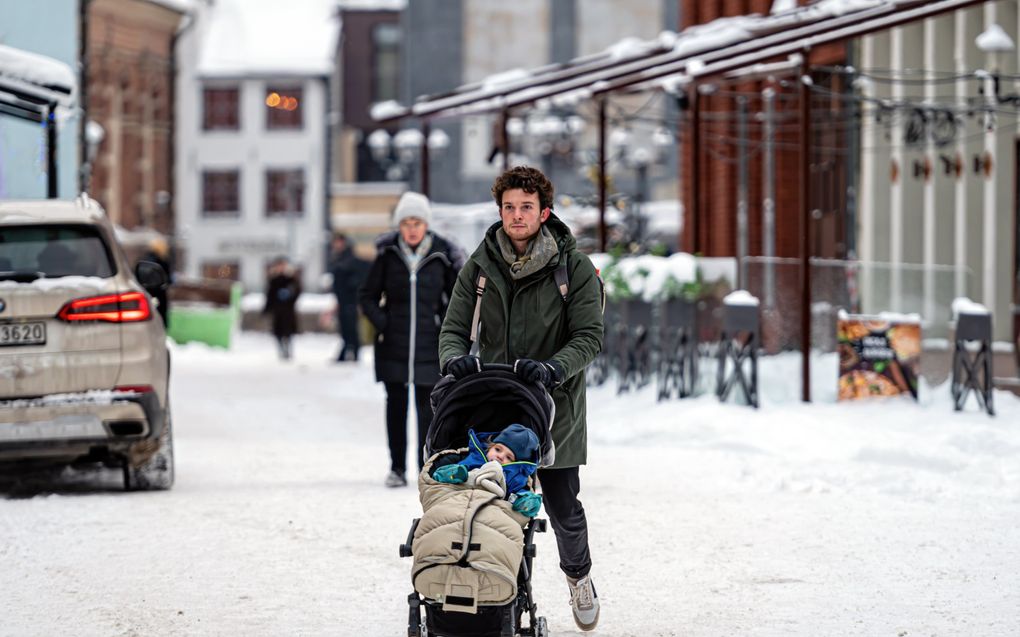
(719,39)
(37,74)
(505,78)
(372,5)
(779,6)
(268,37)
(384,110)
(180,6)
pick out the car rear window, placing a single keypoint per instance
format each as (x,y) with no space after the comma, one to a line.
(53,251)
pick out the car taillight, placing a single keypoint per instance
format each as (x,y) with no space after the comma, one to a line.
(114,308)
(133,389)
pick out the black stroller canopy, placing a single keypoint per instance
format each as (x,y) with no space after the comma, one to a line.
(487,402)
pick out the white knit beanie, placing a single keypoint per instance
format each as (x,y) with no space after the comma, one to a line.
(412,204)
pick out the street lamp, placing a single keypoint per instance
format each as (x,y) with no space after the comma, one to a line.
(548,134)
(399,152)
(639,152)
(994,41)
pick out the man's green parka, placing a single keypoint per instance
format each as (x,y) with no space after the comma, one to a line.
(529,318)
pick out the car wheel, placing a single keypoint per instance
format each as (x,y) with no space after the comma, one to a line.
(156,473)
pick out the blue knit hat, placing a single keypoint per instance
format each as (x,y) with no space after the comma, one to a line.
(519,439)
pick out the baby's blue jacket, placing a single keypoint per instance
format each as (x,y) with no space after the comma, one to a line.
(516,472)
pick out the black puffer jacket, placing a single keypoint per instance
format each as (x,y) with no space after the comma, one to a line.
(407,308)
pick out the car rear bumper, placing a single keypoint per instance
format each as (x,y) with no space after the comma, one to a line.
(76,424)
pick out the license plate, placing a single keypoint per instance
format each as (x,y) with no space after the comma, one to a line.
(30,333)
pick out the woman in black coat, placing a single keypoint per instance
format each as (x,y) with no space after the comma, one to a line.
(405,297)
(282,292)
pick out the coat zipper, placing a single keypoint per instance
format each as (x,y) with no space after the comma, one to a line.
(413,325)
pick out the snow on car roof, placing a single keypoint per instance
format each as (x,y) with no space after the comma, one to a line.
(50,210)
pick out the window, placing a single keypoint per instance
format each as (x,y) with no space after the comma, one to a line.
(283,108)
(386,69)
(229,270)
(285,193)
(221,193)
(220,109)
(53,251)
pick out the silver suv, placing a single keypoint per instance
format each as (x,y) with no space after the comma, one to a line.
(84,365)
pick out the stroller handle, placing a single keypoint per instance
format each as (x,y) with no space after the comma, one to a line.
(497,367)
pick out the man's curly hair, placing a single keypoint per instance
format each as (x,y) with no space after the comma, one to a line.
(528,179)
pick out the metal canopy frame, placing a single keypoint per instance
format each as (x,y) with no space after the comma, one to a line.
(37,104)
(795,32)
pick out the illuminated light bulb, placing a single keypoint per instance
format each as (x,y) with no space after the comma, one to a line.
(273,100)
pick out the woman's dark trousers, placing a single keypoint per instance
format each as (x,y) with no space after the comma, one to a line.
(396,423)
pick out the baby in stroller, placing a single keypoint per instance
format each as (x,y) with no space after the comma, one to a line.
(514,451)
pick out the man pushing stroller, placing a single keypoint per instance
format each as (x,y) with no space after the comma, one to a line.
(528,298)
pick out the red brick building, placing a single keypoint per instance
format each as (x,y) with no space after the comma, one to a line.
(711,227)
(128,90)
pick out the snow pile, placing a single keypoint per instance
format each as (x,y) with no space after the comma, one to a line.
(647,277)
(741,297)
(963,305)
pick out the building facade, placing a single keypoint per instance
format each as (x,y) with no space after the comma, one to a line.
(128,94)
(938,204)
(252,140)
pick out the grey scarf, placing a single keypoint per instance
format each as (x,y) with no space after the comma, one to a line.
(541,250)
(412,256)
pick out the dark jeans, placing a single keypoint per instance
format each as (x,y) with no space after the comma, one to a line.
(347,317)
(283,346)
(396,422)
(559,496)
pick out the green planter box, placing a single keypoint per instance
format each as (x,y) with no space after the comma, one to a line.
(205,323)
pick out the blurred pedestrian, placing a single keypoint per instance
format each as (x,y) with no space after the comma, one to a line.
(282,291)
(158,252)
(405,298)
(349,273)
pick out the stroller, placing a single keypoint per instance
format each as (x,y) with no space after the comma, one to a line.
(491,399)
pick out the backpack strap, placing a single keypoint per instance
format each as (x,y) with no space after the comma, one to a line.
(562,280)
(479,289)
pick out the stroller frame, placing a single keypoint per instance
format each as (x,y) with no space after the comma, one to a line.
(511,614)
(508,622)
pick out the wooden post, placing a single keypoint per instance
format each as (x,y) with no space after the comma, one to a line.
(805,229)
(603,239)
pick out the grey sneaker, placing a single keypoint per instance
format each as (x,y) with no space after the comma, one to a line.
(584,601)
(394,479)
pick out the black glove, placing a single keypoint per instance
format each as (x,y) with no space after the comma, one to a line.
(548,373)
(461,366)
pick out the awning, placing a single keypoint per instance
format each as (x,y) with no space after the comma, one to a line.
(32,84)
(697,53)
(32,87)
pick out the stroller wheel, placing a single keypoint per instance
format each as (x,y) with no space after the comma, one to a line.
(541,627)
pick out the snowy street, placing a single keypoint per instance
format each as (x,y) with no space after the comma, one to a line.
(884,518)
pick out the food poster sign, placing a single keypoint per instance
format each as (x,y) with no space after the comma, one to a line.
(878,357)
